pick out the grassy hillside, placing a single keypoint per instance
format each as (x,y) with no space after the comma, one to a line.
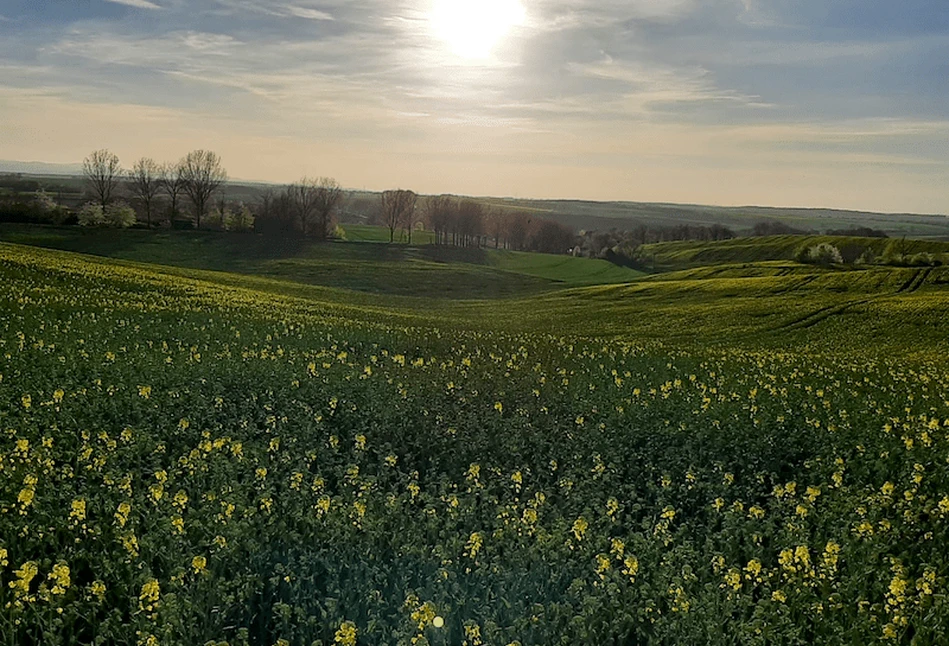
(422,271)
(564,269)
(192,456)
(374,233)
(680,255)
(627,215)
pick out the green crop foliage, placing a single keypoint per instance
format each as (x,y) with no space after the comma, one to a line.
(193,457)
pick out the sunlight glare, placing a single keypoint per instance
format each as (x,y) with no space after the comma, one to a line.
(473,28)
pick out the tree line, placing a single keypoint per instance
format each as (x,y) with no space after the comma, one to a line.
(466,222)
(188,193)
(197,176)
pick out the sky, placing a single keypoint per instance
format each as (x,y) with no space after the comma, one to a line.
(819,103)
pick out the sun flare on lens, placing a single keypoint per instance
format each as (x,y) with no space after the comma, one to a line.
(473,28)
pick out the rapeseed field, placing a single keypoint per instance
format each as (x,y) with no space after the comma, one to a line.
(184,462)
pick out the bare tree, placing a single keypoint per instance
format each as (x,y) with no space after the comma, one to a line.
(203,175)
(470,222)
(438,212)
(274,213)
(103,173)
(171,179)
(303,196)
(494,225)
(409,219)
(329,195)
(552,237)
(517,231)
(144,179)
(396,206)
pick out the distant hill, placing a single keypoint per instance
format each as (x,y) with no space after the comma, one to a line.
(39,168)
(581,214)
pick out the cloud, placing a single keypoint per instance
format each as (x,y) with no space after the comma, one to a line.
(139,4)
(307,13)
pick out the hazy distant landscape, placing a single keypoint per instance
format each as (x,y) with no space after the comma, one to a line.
(591,215)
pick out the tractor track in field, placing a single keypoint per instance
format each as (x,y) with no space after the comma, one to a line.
(917,281)
(790,288)
(813,318)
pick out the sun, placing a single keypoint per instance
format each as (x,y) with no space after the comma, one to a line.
(473,28)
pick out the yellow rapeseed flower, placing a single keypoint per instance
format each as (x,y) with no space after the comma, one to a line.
(733,579)
(346,635)
(25,497)
(199,564)
(60,578)
(602,563)
(24,575)
(754,570)
(78,509)
(631,567)
(150,593)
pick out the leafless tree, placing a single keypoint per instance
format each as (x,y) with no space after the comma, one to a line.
(439,211)
(396,206)
(494,225)
(314,201)
(552,237)
(103,173)
(144,178)
(303,199)
(171,179)
(329,195)
(517,230)
(203,175)
(470,222)
(274,213)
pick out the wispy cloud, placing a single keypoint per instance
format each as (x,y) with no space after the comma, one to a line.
(308,13)
(139,4)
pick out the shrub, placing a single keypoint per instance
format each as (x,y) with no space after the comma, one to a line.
(820,254)
(44,204)
(120,215)
(215,219)
(922,259)
(242,221)
(867,257)
(91,215)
